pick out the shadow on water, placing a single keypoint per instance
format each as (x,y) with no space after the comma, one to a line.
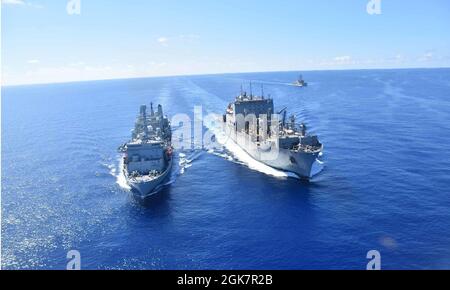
(279,189)
(300,189)
(157,204)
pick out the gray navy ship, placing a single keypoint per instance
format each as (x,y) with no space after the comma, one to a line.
(300,82)
(147,160)
(251,122)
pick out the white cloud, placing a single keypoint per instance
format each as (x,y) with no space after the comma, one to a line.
(346,59)
(21,3)
(399,58)
(13,2)
(163,40)
(428,56)
(33,61)
(180,39)
(153,65)
(77,64)
(337,61)
(189,37)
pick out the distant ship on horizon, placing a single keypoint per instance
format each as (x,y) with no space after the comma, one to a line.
(300,82)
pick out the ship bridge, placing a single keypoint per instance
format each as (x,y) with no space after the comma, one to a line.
(250,104)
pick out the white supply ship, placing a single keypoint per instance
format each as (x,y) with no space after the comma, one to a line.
(250,121)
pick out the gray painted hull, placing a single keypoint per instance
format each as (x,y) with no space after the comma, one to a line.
(146,189)
(299,163)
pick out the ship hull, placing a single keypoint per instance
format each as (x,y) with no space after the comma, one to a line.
(144,189)
(299,163)
(302,166)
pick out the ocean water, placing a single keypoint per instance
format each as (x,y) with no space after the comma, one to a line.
(384,183)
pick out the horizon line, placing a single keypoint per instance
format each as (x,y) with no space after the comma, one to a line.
(209,74)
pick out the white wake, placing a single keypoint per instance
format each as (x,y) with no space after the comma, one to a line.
(120,176)
(238,153)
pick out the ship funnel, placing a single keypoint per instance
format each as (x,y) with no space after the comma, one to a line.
(292,122)
(143,110)
(152,112)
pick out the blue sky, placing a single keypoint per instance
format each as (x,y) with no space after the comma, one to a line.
(43,43)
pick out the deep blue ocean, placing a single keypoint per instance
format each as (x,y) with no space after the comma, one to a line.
(384,185)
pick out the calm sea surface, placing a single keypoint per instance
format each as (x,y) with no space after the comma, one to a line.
(384,186)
